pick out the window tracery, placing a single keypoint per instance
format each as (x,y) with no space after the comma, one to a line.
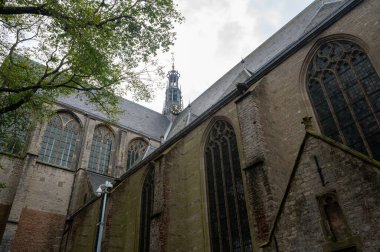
(136,151)
(229,228)
(345,91)
(59,141)
(100,154)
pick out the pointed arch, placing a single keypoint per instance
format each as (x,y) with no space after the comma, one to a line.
(60,139)
(344,89)
(228,218)
(101,146)
(147,201)
(136,150)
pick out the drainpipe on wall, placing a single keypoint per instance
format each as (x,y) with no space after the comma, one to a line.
(102,190)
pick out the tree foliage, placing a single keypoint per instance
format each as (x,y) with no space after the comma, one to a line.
(100,48)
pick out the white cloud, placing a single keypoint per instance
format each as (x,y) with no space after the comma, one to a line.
(217,34)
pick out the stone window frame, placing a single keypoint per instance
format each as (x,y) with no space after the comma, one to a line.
(102,163)
(203,166)
(304,82)
(142,151)
(331,244)
(44,141)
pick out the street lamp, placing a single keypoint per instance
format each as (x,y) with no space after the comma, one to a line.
(102,190)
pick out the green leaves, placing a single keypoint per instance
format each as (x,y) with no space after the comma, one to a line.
(100,48)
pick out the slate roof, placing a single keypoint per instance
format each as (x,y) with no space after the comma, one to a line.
(304,22)
(154,125)
(135,117)
(97,179)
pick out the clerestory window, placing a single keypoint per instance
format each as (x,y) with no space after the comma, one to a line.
(100,154)
(345,92)
(136,151)
(228,219)
(59,141)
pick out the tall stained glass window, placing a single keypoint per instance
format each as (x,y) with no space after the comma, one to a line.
(60,139)
(147,200)
(345,91)
(136,151)
(100,154)
(228,219)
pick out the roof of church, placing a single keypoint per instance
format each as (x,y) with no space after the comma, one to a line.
(152,124)
(304,22)
(96,180)
(134,117)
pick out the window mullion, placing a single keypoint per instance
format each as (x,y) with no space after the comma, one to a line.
(225,195)
(369,103)
(340,86)
(322,83)
(235,194)
(216,198)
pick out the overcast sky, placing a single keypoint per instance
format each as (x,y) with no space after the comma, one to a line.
(216,35)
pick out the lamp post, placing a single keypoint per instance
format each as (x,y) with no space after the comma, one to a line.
(102,190)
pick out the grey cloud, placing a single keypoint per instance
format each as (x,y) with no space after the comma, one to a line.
(229,39)
(190,6)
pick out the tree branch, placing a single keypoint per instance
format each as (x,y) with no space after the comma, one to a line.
(14,10)
(17,104)
(34,10)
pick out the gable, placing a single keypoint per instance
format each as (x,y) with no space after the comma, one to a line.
(323,167)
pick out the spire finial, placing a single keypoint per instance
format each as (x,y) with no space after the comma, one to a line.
(173,60)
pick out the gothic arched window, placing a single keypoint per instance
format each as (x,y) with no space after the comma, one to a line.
(345,91)
(59,141)
(229,228)
(100,154)
(136,152)
(147,200)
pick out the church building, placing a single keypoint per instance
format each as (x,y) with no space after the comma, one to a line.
(282,153)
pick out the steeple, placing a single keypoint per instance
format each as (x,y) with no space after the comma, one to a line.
(173,97)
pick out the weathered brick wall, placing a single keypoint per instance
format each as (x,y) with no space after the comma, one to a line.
(283,100)
(356,183)
(82,191)
(125,214)
(38,231)
(279,104)
(49,189)
(11,168)
(180,213)
(82,236)
(259,192)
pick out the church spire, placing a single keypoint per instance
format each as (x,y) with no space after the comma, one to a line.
(173,61)
(173,97)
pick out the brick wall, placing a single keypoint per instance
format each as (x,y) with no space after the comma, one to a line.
(259,192)
(356,183)
(10,175)
(83,230)
(124,215)
(275,109)
(49,189)
(38,231)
